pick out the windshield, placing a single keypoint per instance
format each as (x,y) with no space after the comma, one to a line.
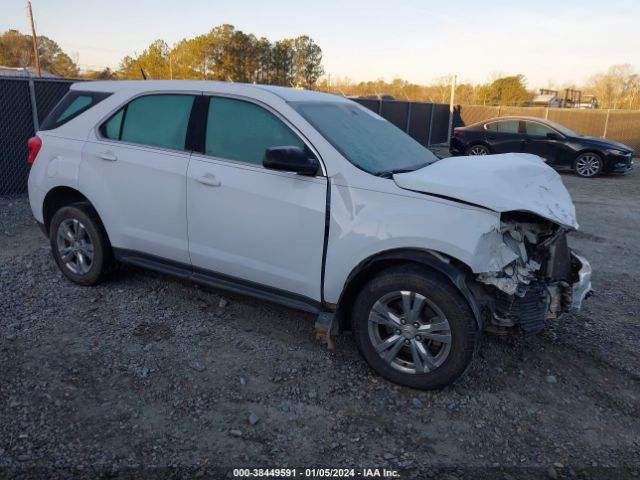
(562,129)
(364,138)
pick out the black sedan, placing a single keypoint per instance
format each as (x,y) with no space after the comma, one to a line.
(558,146)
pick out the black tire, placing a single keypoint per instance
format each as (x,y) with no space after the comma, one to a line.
(476,149)
(588,165)
(464,334)
(102,258)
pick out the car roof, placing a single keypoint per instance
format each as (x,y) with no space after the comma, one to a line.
(515,117)
(207,86)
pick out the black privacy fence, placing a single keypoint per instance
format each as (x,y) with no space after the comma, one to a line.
(25,102)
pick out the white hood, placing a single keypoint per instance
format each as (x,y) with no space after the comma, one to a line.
(503,183)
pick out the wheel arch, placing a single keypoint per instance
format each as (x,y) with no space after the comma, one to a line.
(61,196)
(589,150)
(450,269)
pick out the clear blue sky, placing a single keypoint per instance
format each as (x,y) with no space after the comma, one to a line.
(551,42)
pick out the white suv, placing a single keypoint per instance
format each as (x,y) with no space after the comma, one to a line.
(311,201)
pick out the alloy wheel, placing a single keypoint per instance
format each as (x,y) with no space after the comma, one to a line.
(409,332)
(74,246)
(478,150)
(588,165)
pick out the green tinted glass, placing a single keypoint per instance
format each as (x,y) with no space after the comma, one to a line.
(111,129)
(242,131)
(158,120)
(80,103)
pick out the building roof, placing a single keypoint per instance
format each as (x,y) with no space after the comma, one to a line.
(24,72)
(546,98)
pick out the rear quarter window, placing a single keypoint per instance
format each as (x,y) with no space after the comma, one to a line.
(72,104)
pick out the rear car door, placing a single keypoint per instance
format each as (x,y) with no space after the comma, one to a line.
(504,136)
(136,170)
(246,223)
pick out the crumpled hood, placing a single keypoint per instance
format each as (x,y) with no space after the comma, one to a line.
(503,183)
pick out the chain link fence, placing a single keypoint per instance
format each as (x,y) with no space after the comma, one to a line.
(24,103)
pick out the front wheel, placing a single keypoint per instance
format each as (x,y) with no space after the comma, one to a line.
(588,165)
(414,328)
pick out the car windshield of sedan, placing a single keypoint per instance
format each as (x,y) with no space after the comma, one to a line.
(364,138)
(562,129)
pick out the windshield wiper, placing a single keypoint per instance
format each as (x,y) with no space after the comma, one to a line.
(390,173)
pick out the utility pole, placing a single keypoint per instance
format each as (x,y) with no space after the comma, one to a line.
(33,39)
(452,99)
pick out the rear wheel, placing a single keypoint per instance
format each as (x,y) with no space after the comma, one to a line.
(588,165)
(79,244)
(414,328)
(478,150)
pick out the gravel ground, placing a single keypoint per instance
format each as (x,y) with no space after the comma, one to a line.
(146,371)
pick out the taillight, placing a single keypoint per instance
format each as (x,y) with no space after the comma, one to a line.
(458,133)
(33,145)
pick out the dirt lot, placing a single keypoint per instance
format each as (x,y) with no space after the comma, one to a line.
(147,371)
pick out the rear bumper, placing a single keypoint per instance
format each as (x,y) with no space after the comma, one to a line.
(456,147)
(582,287)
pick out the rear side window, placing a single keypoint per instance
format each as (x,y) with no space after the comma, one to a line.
(72,104)
(506,126)
(242,131)
(154,120)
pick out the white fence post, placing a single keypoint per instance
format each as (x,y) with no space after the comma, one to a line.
(606,124)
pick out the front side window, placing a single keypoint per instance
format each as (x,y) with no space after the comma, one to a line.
(154,120)
(365,139)
(537,129)
(242,131)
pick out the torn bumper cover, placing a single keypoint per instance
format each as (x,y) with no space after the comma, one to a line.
(581,289)
(530,273)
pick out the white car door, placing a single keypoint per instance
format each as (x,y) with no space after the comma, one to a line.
(136,171)
(247,223)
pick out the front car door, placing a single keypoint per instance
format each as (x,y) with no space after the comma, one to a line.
(543,141)
(136,169)
(247,223)
(504,136)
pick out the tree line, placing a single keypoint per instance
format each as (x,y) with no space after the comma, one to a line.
(228,54)
(618,88)
(16,51)
(224,53)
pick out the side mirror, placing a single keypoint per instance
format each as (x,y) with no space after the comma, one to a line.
(290,159)
(553,136)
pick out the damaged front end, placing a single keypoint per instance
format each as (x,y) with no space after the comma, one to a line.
(533,276)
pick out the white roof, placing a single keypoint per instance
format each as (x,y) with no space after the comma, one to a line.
(136,86)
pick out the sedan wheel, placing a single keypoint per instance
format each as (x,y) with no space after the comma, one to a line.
(588,165)
(478,150)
